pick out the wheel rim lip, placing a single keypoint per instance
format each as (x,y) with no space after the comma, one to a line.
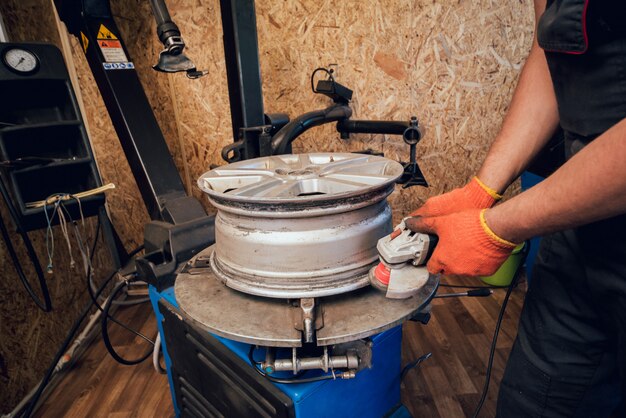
(388,172)
(282,288)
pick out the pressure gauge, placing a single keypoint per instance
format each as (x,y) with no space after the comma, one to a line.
(20,60)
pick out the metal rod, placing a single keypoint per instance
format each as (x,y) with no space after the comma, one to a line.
(389,127)
(347,361)
(270,359)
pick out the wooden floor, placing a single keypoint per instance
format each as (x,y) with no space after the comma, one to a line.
(446,385)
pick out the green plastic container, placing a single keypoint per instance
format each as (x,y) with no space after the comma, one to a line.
(506,272)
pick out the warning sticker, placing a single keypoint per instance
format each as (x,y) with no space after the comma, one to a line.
(110,46)
(118,65)
(112,50)
(85,42)
(104,33)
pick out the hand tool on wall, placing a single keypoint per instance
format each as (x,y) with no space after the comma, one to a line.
(402,269)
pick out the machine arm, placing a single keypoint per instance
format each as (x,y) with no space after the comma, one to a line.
(180,226)
(171,59)
(295,128)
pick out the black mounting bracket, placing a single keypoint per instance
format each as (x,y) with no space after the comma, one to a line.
(412,175)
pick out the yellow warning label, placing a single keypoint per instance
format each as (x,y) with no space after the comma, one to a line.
(85,42)
(104,33)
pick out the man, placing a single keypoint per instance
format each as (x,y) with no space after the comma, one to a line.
(569,358)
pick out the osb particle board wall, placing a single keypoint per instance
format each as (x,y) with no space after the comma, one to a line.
(452,63)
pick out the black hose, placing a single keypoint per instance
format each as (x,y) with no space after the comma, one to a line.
(105,330)
(95,302)
(160,12)
(166,28)
(46,305)
(295,128)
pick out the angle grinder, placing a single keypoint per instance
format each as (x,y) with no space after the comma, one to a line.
(403,254)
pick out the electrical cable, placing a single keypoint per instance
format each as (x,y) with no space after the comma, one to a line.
(46,304)
(156,355)
(291,380)
(90,284)
(496,332)
(461,286)
(60,209)
(406,369)
(479,292)
(63,348)
(107,316)
(94,299)
(61,212)
(44,382)
(105,330)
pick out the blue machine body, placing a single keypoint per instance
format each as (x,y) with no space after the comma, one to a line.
(372,393)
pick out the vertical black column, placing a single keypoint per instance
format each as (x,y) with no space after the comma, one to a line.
(241,52)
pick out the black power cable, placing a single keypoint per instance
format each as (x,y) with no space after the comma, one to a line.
(496,332)
(94,299)
(406,369)
(75,328)
(46,304)
(462,286)
(63,349)
(89,284)
(105,330)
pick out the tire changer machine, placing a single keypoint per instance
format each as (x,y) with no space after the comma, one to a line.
(266,309)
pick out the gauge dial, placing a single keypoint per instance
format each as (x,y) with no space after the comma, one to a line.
(21,60)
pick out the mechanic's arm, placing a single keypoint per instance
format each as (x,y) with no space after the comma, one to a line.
(591,186)
(529,124)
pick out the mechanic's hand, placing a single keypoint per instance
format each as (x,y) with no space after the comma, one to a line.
(474,195)
(467,246)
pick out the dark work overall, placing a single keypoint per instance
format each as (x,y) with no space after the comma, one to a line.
(569,358)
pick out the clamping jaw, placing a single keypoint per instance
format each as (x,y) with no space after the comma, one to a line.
(403,255)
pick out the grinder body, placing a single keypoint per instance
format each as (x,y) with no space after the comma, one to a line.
(402,269)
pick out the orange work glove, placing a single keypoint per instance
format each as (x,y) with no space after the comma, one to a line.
(474,195)
(466,247)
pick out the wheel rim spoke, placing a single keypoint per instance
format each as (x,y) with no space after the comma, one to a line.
(297,176)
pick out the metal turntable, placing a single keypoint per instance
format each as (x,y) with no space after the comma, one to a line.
(295,238)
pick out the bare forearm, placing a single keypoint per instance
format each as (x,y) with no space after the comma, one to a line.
(529,124)
(589,187)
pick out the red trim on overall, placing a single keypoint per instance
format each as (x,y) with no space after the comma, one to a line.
(585,37)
